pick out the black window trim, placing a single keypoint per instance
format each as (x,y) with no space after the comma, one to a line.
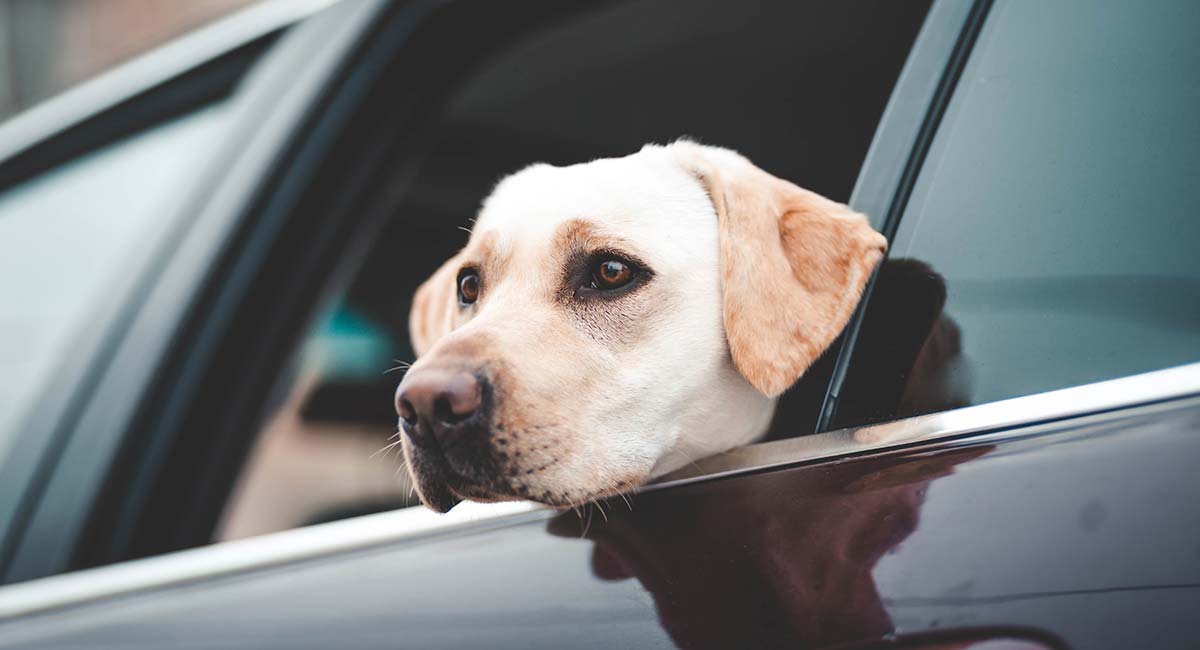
(883,188)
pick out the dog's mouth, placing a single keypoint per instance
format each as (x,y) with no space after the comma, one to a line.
(443,482)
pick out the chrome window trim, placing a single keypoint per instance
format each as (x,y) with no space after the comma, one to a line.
(1076,401)
(1018,417)
(227,558)
(148,69)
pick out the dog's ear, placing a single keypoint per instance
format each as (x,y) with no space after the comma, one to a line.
(434,307)
(793,264)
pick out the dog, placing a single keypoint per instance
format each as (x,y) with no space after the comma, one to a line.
(612,321)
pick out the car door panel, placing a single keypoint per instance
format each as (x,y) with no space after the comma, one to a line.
(1045,532)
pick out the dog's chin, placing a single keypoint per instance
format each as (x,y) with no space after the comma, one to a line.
(437,496)
(437,486)
(441,488)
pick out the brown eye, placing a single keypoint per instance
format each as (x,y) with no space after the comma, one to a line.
(611,273)
(468,286)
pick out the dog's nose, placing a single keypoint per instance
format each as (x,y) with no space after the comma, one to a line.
(439,403)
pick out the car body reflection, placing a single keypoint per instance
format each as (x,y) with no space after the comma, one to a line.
(784,560)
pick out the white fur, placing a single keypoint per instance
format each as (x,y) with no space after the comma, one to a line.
(680,398)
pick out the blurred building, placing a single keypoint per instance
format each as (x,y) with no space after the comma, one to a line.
(47,46)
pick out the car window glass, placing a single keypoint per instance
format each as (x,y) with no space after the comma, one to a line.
(1050,239)
(786,83)
(71,236)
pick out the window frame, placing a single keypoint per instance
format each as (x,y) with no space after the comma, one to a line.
(898,152)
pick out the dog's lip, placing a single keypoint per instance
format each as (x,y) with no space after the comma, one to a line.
(435,468)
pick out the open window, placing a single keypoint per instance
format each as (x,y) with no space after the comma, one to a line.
(798,87)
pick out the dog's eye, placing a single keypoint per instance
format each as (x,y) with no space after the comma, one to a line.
(468,286)
(611,273)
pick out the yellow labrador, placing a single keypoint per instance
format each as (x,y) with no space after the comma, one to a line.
(611,321)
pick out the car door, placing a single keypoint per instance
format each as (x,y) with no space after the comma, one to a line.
(1049,510)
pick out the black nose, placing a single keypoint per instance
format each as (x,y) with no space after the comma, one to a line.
(440,404)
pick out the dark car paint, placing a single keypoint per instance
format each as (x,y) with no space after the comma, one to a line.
(1080,534)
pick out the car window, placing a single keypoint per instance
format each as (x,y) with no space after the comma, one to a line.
(786,83)
(1050,239)
(72,238)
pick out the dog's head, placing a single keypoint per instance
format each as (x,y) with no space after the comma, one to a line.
(611,321)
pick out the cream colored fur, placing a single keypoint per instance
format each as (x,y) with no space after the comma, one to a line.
(753,277)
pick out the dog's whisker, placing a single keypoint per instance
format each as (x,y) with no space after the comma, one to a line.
(690,461)
(400,365)
(387,448)
(587,526)
(601,509)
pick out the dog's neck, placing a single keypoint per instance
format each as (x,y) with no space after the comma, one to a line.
(736,422)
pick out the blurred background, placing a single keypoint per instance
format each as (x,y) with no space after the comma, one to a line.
(47,46)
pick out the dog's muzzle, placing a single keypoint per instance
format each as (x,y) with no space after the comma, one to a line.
(446,413)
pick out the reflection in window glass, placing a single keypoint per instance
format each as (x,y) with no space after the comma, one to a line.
(70,238)
(1051,238)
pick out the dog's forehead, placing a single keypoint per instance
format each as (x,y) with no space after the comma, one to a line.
(646,198)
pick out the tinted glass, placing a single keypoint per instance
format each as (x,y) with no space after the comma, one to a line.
(72,240)
(1051,237)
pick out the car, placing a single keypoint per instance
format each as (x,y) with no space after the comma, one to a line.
(207,258)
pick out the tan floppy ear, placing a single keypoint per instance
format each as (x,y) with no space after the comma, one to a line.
(793,263)
(434,307)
